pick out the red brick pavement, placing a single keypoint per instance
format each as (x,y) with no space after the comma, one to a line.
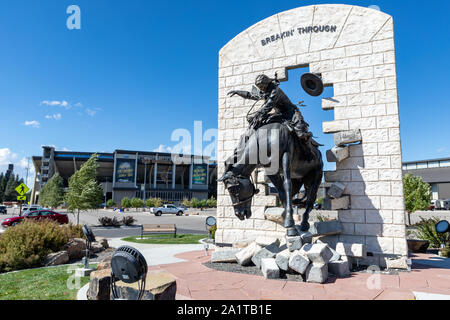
(195,281)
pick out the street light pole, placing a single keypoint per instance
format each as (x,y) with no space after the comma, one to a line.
(146,161)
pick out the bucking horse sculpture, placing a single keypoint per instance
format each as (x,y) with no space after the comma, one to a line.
(279,143)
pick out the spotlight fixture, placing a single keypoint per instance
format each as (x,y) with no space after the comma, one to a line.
(89,239)
(442,226)
(128,265)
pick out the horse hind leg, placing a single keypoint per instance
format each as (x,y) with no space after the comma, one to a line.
(311,188)
(289,222)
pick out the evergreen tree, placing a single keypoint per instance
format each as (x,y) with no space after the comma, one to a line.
(52,193)
(2,189)
(84,191)
(10,193)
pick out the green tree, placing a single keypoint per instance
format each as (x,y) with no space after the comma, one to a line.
(126,203)
(158,202)
(137,203)
(84,191)
(10,193)
(52,193)
(150,202)
(2,187)
(211,202)
(195,203)
(417,194)
(110,203)
(186,203)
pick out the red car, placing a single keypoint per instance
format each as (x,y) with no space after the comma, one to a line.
(37,215)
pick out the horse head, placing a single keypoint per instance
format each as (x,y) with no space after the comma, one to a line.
(241,190)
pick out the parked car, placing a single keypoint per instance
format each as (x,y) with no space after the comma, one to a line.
(37,215)
(167,208)
(33,207)
(447,204)
(3,209)
(432,205)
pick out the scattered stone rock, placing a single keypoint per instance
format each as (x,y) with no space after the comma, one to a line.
(282,259)
(100,285)
(337,154)
(339,268)
(265,241)
(244,257)
(294,243)
(317,273)
(103,242)
(76,248)
(326,228)
(96,247)
(269,251)
(356,250)
(241,244)
(158,286)
(345,137)
(275,214)
(270,269)
(336,190)
(336,256)
(224,256)
(399,263)
(56,259)
(318,253)
(298,262)
(342,203)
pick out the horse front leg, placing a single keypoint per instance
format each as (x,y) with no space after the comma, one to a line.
(289,222)
(311,195)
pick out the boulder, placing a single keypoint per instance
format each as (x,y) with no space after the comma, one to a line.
(275,214)
(224,256)
(244,256)
(339,268)
(269,251)
(76,248)
(103,242)
(56,259)
(100,285)
(282,259)
(104,264)
(96,247)
(159,285)
(298,262)
(317,273)
(270,269)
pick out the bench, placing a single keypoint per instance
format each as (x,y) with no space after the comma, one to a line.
(158,228)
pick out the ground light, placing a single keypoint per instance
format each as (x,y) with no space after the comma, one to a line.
(85,271)
(210,223)
(442,227)
(128,265)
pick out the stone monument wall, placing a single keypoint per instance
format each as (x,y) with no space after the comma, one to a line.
(353,49)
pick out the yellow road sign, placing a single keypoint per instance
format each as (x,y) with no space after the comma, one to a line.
(22,189)
(21,198)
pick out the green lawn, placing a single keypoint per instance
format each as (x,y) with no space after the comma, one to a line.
(39,284)
(167,239)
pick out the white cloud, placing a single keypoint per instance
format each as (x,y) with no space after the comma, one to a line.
(7,156)
(78,105)
(163,148)
(56,103)
(56,116)
(91,112)
(442,149)
(32,123)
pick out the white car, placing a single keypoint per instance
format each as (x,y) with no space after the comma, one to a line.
(26,209)
(167,208)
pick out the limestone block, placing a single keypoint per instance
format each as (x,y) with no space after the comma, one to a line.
(335,126)
(337,154)
(241,244)
(244,257)
(306,236)
(294,243)
(298,262)
(270,269)
(274,214)
(222,256)
(339,268)
(282,259)
(399,263)
(346,137)
(264,241)
(269,251)
(355,250)
(336,190)
(325,228)
(317,273)
(336,204)
(100,285)
(318,253)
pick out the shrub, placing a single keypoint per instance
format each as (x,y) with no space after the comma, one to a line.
(109,222)
(27,244)
(128,220)
(446,251)
(211,202)
(186,203)
(137,203)
(213,231)
(426,231)
(73,231)
(195,203)
(126,203)
(150,202)
(110,203)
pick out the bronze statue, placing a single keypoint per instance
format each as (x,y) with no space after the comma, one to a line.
(289,143)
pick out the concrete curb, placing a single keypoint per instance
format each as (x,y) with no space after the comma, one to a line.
(82,293)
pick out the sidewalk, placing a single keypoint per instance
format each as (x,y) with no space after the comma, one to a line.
(429,278)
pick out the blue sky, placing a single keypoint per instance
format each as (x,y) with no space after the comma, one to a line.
(137,70)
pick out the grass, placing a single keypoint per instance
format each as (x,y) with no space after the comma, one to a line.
(167,239)
(39,284)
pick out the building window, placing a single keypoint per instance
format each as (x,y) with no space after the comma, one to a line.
(422,165)
(434,164)
(411,166)
(445,164)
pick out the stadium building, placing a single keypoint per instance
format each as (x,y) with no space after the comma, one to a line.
(125,173)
